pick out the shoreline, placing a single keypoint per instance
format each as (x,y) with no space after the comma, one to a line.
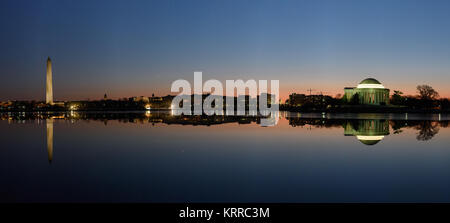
(327,111)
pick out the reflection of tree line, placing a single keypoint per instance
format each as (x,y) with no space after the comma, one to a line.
(137,117)
(427,129)
(368,131)
(316,122)
(171,119)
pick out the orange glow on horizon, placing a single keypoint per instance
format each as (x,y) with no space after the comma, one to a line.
(284,94)
(286,88)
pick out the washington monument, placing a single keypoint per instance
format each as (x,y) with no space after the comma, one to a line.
(49,86)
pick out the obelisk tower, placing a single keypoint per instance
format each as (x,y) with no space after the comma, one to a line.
(49,86)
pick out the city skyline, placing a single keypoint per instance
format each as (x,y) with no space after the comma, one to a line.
(99,48)
(49,90)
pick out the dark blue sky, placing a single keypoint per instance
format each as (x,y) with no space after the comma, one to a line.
(128,48)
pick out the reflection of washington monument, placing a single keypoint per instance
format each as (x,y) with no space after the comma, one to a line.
(50,139)
(369,132)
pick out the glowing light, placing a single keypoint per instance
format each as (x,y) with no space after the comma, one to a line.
(370,137)
(147,106)
(73,107)
(370,86)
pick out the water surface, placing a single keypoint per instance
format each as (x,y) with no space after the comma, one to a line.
(157,157)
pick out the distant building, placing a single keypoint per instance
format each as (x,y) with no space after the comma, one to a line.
(155,99)
(164,102)
(268,98)
(368,92)
(302,99)
(141,99)
(297,99)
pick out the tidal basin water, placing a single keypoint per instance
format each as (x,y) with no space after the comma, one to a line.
(157,157)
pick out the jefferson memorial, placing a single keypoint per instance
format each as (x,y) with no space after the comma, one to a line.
(368,92)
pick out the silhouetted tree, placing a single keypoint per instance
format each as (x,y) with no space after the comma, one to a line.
(445,104)
(397,98)
(427,92)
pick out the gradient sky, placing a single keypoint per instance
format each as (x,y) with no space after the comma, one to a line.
(132,48)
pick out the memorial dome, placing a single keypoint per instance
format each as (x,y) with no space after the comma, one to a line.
(370,83)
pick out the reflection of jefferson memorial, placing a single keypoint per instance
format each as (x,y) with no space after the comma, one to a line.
(369,132)
(368,92)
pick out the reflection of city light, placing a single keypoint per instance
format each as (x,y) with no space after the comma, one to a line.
(171,106)
(73,107)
